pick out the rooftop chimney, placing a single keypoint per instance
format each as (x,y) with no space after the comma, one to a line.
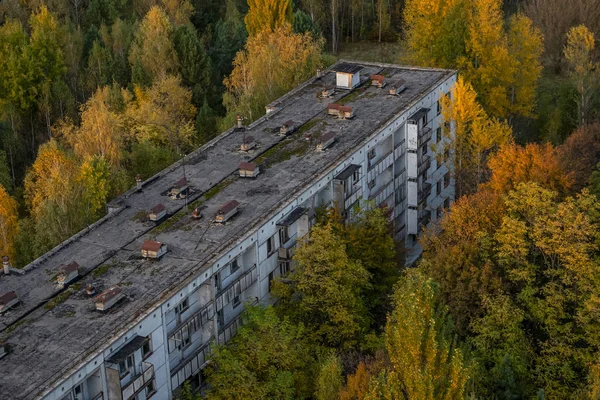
(6,265)
(318,73)
(138,182)
(90,290)
(196,213)
(240,121)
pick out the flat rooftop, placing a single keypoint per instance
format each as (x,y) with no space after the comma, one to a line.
(53,330)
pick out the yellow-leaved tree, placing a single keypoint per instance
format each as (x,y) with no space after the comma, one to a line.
(162,114)
(152,54)
(425,362)
(267,15)
(9,224)
(502,64)
(270,65)
(434,36)
(475,137)
(101,132)
(582,68)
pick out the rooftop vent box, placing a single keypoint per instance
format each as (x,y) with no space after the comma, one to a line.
(108,298)
(326,141)
(157,212)
(227,211)
(288,127)
(328,91)
(397,87)
(153,249)
(345,112)
(270,108)
(8,300)
(378,80)
(333,109)
(249,170)
(248,143)
(347,76)
(179,189)
(66,273)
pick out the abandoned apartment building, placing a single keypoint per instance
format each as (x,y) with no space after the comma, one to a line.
(129,307)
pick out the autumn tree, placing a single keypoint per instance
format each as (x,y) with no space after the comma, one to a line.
(582,68)
(434,35)
(554,20)
(370,242)
(152,42)
(269,358)
(514,164)
(270,65)
(548,249)
(474,136)
(268,15)
(9,224)
(325,290)
(425,360)
(357,385)
(458,256)
(162,114)
(580,153)
(329,380)
(101,132)
(503,65)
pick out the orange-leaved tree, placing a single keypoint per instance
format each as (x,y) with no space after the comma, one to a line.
(539,163)
(474,138)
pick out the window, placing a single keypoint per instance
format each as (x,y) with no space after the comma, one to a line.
(446,180)
(236,301)
(271,277)
(438,188)
(220,317)
(151,388)
(270,245)
(438,108)
(371,154)
(440,212)
(181,307)
(446,204)
(126,366)
(372,184)
(146,349)
(438,134)
(284,236)
(424,151)
(217,282)
(446,155)
(424,120)
(186,339)
(356,176)
(284,268)
(234,266)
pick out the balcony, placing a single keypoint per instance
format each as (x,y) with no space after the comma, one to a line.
(424,192)
(373,163)
(287,250)
(425,136)
(190,366)
(236,288)
(424,165)
(139,382)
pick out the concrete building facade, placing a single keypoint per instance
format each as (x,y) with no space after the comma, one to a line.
(158,332)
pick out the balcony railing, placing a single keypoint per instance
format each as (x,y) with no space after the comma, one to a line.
(236,288)
(287,250)
(373,164)
(425,136)
(139,382)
